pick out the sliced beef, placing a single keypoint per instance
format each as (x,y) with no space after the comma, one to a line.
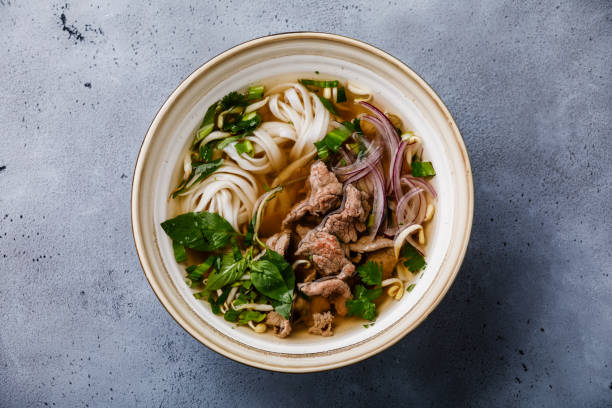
(351,219)
(302,230)
(322,324)
(282,326)
(365,245)
(335,290)
(279,242)
(325,195)
(387,258)
(327,254)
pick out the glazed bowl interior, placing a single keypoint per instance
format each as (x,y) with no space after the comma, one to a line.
(268,61)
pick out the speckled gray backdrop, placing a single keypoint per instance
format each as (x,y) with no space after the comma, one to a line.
(528,321)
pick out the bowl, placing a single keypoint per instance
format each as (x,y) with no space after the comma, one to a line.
(397,88)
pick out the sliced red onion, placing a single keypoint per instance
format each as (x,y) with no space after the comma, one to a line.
(379,202)
(373,156)
(421,183)
(389,133)
(403,204)
(396,170)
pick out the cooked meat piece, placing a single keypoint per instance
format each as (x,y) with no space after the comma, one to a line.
(351,219)
(282,326)
(327,254)
(325,195)
(302,230)
(365,245)
(322,324)
(279,242)
(387,257)
(326,288)
(335,290)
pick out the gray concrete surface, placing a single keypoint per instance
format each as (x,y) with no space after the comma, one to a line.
(527,323)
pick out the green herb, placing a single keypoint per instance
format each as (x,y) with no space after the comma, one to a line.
(357,126)
(231,270)
(341,95)
(322,150)
(215,304)
(208,124)
(334,139)
(204,231)
(206,151)
(371,273)
(268,280)
(327,104)
(245,147)
(202,295)
(243,124)
(200,170)
(251,315)
(319,84)
(422,169)
(413,259)
(231,315)
(361,305)
(255,92)
(409,288)
(179,252)
(196,272)
(273,277)
(248,238)
(232,100)
(317,72)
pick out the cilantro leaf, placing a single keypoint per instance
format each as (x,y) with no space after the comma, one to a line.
(371,273)
(422,169)
(202,231)
(362,304)
(414,260)
(233,99)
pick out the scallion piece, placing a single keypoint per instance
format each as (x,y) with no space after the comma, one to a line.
(336,137)
(422,169)
(328,105)
(227,141)
(341,95)
(208,124)
(319,84)
(245,147)
(322,150)
(255,92)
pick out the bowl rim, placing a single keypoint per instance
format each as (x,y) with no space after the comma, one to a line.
(220,58)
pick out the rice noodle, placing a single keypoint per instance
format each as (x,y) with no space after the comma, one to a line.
(293,103)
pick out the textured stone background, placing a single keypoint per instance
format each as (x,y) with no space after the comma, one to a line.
(528,321)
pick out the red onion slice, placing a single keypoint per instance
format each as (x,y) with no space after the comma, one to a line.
(421,183)
(396,169)
(379,201)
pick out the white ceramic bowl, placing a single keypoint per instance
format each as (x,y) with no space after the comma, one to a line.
(399,90)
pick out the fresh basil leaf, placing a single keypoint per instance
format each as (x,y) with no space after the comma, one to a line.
(268,280)
(251,315)
(231,271)
(284,309)
(283,266)
(179,252)
(203,231)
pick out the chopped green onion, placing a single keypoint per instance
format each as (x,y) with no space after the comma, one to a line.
(246,123)
(245,147)
(327,104)
(227,141)
(208,123)
(337,136)
(322,150)
(255,92)
(407,135)
(341,95)
(409,288)
(319,84)
(422,169)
